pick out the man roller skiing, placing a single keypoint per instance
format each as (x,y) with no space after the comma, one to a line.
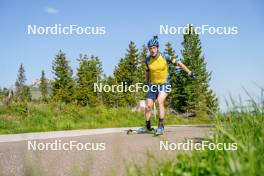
(157,75)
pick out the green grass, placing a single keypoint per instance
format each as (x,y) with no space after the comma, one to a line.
(33,117)
(244,126)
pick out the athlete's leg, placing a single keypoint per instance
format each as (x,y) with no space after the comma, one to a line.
(150,97)
(149,105)
(161,99)
(145,129)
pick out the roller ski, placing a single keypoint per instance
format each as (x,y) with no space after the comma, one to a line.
(143,130)
(159,131)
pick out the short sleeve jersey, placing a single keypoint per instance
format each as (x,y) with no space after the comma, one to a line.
(159,68)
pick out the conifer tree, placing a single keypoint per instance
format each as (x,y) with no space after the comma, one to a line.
(172,71)
(89,73)
(142,66)
(63,86)
(22,92)
(194,95)
(43,87)
(126,73)
(112,99)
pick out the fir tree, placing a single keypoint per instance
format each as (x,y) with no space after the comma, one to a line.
(141,78)
(128,66)
(63,86)
(89,73)
(22,92)
(43,87)
(172,71)
(127,73)
(194,95)
(112,99)
(142,66)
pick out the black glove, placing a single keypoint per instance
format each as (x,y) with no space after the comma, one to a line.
(193,75)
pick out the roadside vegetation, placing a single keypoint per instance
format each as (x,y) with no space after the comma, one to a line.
(243,125)
(33,117)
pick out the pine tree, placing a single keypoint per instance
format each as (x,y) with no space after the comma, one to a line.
(127,67)
(22,92)
(141,72)
(43,87)
(172,71)
(127,73)
(111,99)
(194,95)
(21,77)
(89,72)
(63,86)
(142,66)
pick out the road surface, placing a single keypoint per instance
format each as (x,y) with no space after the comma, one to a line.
(108,151)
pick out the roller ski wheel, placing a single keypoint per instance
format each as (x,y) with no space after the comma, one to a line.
(143,130)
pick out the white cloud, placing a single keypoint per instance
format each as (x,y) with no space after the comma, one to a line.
(51,10)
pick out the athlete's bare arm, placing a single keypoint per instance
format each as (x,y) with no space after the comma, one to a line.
(184,67)
(181,65)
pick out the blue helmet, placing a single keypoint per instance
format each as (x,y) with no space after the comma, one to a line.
(153,42)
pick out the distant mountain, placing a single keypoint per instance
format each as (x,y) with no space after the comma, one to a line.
(34,88)
(36,83)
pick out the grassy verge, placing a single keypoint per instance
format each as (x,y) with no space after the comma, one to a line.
(242,126)
(20,118)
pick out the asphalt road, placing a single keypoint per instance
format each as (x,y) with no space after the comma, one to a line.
(99,151)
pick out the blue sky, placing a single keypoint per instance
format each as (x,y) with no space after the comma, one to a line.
(235,60)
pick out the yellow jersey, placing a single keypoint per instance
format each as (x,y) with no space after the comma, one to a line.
(159,68)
